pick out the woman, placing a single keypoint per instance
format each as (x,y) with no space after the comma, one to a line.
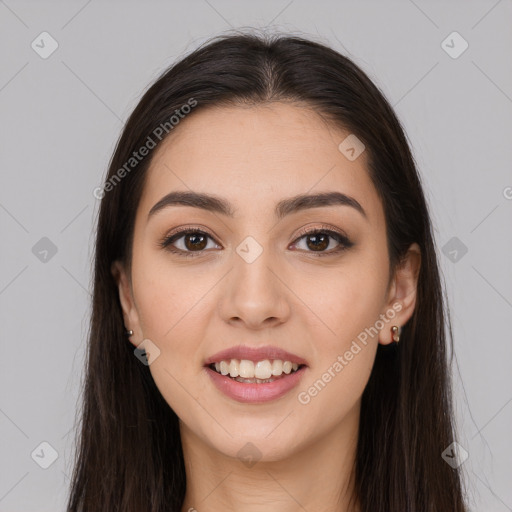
(268,325)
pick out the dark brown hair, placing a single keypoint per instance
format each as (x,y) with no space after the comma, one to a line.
(129,455)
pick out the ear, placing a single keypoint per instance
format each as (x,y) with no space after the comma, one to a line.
(402,293)
(130,314)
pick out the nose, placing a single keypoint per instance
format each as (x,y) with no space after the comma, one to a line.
(254,294)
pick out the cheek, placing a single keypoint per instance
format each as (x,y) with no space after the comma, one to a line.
(167,296)
(345,309)
(345,351)
(171,304)
(333,391)
(345,302)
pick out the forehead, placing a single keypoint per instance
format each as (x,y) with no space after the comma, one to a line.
(257,156)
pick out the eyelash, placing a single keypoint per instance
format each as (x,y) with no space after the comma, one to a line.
(344,242)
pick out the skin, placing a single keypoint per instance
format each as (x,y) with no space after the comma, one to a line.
(315,307)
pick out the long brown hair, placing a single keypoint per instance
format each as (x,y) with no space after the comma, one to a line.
(129,455)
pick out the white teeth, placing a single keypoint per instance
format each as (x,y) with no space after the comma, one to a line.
(254,381)
(244,370)
(224,368)
(234,368)
(287,367)
(277,367)
(263,369)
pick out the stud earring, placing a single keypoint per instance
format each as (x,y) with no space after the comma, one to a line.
(395,335)
(129,333)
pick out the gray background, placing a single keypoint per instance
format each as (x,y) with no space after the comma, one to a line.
(61,116)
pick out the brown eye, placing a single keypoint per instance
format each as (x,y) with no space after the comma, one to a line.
(318,240)
(187,242)
(194,241)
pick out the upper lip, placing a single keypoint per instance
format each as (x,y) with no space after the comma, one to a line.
(254,354)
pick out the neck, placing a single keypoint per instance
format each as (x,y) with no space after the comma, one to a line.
(317,477)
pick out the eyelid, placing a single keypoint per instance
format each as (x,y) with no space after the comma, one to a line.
(324,228)
(187,228)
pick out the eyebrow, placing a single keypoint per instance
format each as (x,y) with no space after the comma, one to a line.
(285,207)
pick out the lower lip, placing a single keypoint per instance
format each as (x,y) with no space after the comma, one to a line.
(255,393)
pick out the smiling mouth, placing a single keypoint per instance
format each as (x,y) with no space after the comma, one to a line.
(259,372)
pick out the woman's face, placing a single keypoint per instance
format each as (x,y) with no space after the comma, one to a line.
(253,277)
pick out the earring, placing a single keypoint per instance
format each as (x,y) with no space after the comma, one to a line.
(129,333)
(395,335)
